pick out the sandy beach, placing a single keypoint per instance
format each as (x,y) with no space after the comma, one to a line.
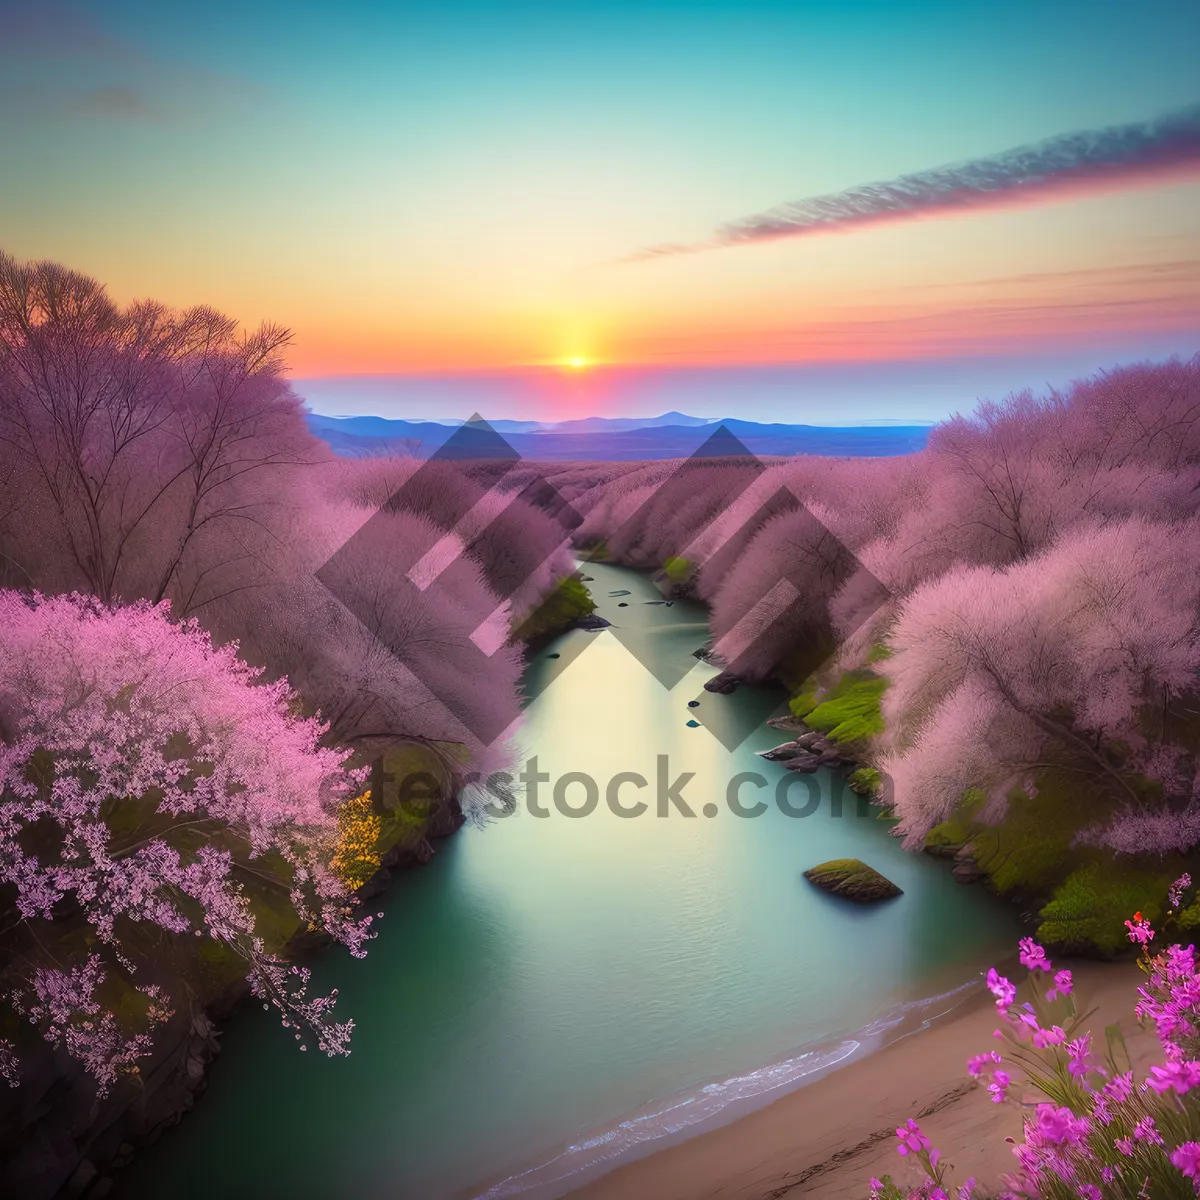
(827,1139)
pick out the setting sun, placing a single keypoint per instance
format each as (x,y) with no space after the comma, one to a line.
(577,362)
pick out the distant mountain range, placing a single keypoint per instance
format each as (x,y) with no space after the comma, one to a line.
(617,439)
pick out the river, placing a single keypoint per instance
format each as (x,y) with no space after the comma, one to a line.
(550,994)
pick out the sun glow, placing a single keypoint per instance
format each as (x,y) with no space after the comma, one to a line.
(577,362)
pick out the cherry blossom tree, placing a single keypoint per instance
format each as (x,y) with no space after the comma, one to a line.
(1061,661)
(147,777)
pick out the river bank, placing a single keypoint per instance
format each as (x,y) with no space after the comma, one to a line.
(825,1140)
(60,1142)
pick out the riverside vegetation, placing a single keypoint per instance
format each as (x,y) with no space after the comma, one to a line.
(1000,631)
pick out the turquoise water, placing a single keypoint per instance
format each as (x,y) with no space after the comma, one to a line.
(539,988)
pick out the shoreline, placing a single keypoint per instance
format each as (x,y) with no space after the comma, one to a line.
(827,1136)
(722,1100)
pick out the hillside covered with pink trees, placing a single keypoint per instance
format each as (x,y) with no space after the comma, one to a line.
(191,722)
(1003,627)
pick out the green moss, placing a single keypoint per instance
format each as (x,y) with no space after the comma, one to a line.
(677,570)
(851,711)
(878,653)
(865,781)
(563,606)
(851,878)
(1091,906)
(1031,848)
(1188,920)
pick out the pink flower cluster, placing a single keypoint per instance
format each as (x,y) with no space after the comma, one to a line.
(63,1005)
(1098,1132)
(116,710)
(1170,999)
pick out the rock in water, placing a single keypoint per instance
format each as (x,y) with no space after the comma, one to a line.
(787,724)
(853,879)
(591,623)
(723,684)
(782,753)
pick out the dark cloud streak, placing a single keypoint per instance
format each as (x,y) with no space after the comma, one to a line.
(1088,162)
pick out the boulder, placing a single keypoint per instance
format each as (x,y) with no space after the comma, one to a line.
(949,850)
(723,684)
(804,762)
(967,872)
(784,724)
(591,623)
(966,869)
(852,879)
(782,752)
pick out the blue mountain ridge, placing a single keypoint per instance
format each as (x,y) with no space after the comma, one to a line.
(357,437)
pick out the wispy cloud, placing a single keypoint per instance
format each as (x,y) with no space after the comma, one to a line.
(57,60)
(1088,162)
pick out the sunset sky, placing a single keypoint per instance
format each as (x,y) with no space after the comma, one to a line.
(444,189)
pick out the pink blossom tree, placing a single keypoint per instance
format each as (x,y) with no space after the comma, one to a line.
(146,776)
(1062,661)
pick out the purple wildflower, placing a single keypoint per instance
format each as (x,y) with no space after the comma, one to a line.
(911,1138)
(1062,986)
(1033,957)
(1139,929)
(1001,988)
(1144,1131)
(977,1062)
(1125,1145)
(1053,1036)
(1060,1126)
(1182,1076)
(999,1086)
(1176,890)
(1187,1159)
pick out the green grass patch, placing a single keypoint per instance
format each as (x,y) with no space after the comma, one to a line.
(851,711)
(1090,907)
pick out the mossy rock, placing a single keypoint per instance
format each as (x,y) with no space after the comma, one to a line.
(853,879)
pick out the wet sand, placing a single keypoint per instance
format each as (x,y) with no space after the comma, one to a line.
(827,1139)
